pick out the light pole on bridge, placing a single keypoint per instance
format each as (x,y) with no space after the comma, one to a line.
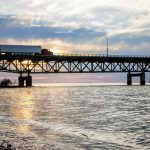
(107,46)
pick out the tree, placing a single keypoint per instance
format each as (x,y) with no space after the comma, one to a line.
(5,82)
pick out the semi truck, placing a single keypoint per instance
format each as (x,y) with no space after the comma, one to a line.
(23,50)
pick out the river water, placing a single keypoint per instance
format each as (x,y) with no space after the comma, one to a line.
(76,117)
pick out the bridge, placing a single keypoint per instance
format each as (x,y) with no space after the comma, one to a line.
(27,64)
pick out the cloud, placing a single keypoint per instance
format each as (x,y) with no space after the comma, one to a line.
(11,28)
(80,26)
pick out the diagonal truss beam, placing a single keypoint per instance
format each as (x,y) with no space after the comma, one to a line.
(70,65)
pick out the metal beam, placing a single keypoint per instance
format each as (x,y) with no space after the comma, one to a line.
(73,64)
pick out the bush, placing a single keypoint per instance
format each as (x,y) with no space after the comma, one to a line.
(5,82)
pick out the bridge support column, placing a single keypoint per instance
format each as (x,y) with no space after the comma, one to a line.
(25,79)
(141,75)
(142,78)
(21,81)
(28,80)
(129,79)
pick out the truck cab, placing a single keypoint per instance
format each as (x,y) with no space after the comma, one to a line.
(46,52)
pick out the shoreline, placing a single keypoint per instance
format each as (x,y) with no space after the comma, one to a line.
(1,87)
(73,85)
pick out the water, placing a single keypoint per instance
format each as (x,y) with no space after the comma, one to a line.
(76,117)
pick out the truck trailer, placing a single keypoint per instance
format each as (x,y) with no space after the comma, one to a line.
(23,50)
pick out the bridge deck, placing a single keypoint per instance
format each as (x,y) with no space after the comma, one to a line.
(77,57)
(73,63)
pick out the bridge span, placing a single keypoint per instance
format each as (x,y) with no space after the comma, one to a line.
(27,64)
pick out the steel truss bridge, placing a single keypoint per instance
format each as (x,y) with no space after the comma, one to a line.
(30,64)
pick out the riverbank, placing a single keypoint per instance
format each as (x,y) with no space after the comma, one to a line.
(14,86)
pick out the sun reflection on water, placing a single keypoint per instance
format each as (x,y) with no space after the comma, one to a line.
(22,110)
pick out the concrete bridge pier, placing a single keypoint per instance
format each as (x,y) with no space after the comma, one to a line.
(21,81)
(29,80)
(129,79)
(142,78)
(25,80)
(141,75)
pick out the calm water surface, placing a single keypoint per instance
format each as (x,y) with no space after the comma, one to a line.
(76,117)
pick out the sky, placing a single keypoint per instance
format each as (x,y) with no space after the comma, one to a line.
(78,26)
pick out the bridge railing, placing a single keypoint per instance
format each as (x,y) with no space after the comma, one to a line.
(101,55)
(86,55)
(69,54)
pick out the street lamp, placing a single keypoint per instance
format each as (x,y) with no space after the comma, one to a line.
(107,47)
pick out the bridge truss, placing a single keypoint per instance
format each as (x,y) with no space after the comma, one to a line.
(74,64)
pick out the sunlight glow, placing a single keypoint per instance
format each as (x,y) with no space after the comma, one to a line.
(22,110)
(26,62)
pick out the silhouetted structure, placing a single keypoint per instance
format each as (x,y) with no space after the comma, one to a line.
(30,64)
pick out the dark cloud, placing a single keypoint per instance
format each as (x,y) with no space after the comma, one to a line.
(131,38)
(10,28)
(83,35)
